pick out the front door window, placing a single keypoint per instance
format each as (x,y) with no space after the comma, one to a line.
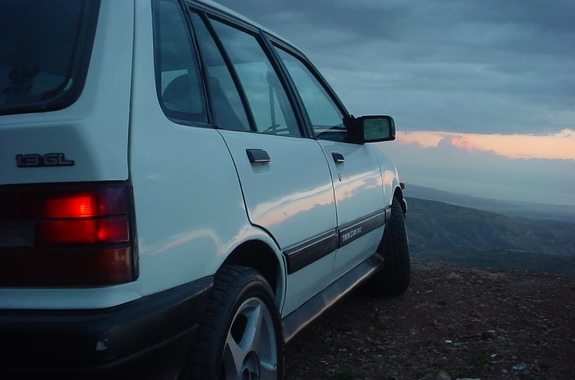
(325,117)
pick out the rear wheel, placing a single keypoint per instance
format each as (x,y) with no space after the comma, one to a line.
(240,337)
(393,279)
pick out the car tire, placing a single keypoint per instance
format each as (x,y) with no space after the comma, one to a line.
(240,336)
(393,279)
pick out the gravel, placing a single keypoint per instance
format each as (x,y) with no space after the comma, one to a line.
(454,322)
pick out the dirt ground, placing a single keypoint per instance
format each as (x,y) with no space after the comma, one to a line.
(453,323)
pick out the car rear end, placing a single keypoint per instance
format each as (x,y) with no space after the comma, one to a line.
(70,303)
(64,114)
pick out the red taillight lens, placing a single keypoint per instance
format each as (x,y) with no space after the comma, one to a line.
(66,235)
(107,231)
(73,206)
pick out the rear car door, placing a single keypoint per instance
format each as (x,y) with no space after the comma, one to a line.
(355,171)
(284,176)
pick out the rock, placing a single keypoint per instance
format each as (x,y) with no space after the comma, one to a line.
(454,276)
(441,375)
(520,367)
(489,334)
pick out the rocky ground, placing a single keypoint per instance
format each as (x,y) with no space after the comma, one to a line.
(453,323)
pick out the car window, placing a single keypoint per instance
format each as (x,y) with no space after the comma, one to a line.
(325,117)
(45,49)
(227,109)
(178,78)
(268,101)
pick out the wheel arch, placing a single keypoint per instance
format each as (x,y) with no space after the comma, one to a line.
(260,256)
(392,187)
(398,193)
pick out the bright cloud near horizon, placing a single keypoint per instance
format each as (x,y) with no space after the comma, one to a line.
(560,145)
(470,83)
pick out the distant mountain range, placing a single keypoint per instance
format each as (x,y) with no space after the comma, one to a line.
(455,228)
(508,208)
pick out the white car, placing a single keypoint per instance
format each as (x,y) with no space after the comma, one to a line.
(181,192)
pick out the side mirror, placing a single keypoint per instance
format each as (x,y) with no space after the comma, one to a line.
(377,128)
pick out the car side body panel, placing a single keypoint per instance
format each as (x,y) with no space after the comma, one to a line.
(291,198)
(361,206)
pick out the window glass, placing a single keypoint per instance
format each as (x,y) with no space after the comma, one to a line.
(45,49)
(227,108)
(178,78)
(324,115)
(267,98)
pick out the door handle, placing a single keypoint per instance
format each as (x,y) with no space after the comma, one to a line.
(258,156)
(338,157)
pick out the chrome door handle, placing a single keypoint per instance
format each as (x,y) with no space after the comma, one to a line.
(258,156)
(338,157)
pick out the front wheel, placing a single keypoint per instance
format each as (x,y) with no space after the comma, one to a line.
(240,336)
(393,279)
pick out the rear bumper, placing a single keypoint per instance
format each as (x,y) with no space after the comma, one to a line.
(145,339)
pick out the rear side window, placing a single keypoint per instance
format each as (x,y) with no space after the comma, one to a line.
(178,78)
(45,48)
(267,98)
(228,111)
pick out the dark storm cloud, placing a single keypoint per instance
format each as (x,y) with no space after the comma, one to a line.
(485,66)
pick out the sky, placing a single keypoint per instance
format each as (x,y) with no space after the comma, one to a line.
(482,91)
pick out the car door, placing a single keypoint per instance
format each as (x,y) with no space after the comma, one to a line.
(285,179)
(355,171)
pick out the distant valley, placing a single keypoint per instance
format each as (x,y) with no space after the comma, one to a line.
(459,230)
(508,208)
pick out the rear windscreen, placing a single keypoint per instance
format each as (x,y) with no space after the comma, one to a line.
(45,47)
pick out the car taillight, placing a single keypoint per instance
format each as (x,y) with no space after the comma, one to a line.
(66,235)
(90,231)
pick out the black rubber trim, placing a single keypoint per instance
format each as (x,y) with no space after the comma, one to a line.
(69,343)
(356,229)
(310,251)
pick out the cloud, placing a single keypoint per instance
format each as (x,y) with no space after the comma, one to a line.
(482,66)
(566,133)
(560,145)
(463,142)
(452,166)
